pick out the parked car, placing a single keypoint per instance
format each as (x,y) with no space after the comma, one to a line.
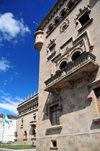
(10,142)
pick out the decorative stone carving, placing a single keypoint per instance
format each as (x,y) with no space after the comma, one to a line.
(61,3)
(28,105)
(50,28)
(64,26)
(57,19)
(81,12)
(52,42)
(61,16)
(58,80)
(63,12)
(38,40)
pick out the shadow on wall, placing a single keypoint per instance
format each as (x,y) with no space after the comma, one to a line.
(71,102)
(51,98)
(76,100)
(95,125)
(92,3)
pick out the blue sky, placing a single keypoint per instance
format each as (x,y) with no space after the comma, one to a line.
(19,61)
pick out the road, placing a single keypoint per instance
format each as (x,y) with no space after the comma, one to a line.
(3,149)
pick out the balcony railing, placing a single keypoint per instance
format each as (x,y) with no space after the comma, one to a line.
(85,63)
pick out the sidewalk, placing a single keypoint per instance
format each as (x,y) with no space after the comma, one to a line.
(27,150)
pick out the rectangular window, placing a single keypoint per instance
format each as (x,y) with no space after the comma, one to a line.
(54,115)
(52,48)
(53,143)
(84,19)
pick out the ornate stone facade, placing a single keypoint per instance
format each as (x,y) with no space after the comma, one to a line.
(64,26)
(69,81)
(27,121)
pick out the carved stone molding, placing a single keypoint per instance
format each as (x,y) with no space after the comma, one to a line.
(51,43)
(28,105)
(81,12)
(64,26)
(55,9)
(63,13)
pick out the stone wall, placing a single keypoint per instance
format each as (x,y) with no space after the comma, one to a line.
(77,111)
(78,142)
(26,127)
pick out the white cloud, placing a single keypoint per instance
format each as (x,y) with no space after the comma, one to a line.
(4,93)
(7,102)
(4,64)
(10,27)
(19,99)
(9,106)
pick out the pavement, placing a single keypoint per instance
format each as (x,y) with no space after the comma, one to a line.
(3,149)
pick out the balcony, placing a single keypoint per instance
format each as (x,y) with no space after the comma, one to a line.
(73,71)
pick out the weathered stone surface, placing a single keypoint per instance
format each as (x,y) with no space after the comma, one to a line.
(27,120)
(79,132)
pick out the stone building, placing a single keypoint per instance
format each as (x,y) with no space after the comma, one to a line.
(27,121)
(68,40)
(7,131)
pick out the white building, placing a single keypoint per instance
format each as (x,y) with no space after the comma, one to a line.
(7,132)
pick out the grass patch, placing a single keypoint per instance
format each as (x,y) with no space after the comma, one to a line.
(16,146)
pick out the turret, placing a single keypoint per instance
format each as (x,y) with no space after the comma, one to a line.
(38,40)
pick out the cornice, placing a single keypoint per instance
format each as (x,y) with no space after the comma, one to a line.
(51,14)
(31,111)
(68,8)
(28,100)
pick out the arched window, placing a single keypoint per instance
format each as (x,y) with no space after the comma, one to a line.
(34,116)
(22,120)
(71,4)
(63,12)
(76,55)
(25,133)
(33,130)
(56,20)
(63,65)
(50,27)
